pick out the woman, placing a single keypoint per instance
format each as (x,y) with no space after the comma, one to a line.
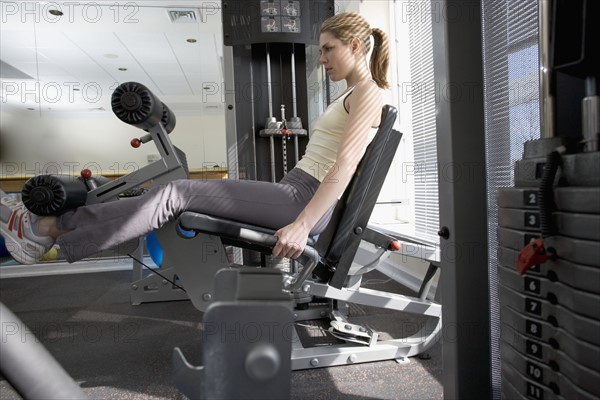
(299,205)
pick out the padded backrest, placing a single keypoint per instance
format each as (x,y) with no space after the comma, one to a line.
(339,242)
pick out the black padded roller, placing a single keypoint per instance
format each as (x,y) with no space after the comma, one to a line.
(168,119)
(134,104)
(53,194)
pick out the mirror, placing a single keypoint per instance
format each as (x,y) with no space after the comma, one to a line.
(61,61)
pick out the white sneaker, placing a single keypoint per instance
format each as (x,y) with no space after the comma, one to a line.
(15,226)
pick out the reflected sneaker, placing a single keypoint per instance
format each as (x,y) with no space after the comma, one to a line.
(17,227)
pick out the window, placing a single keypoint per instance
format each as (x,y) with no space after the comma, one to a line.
(414,91)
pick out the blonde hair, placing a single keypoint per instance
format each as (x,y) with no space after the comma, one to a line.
(349,25)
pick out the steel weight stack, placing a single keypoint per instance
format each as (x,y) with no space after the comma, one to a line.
(550,315)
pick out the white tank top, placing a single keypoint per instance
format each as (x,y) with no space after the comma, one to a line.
(321,151)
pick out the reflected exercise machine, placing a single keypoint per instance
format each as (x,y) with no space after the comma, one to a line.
(134,104)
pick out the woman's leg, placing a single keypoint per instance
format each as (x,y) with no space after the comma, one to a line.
(101,226)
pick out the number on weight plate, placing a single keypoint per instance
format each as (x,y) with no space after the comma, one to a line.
(532,285)
(535,391)
(530,198)
(533,328)
(533,306)
(533,349)
(535,372)
(532,220)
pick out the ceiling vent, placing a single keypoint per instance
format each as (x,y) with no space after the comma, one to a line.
(183,16)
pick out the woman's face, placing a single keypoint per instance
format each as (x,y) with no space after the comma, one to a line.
(336,57)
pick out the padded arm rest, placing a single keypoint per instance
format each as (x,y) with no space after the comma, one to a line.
(230,229)
(251,234)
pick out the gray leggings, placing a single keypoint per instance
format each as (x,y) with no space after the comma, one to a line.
(103,226)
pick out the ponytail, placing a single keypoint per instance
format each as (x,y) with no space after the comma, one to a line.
(380,58)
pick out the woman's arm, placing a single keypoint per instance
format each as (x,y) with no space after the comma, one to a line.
(365,104)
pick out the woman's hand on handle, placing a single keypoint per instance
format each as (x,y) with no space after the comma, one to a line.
(291,240)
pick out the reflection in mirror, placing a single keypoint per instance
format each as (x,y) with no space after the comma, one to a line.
(61,61)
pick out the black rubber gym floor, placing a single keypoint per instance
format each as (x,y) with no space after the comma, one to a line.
(118,351)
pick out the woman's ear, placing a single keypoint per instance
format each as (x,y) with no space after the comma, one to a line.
(356,45)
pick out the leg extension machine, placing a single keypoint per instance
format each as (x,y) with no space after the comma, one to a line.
(271,305)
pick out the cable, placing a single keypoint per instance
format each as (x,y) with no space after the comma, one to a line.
(157,273)
(546,191)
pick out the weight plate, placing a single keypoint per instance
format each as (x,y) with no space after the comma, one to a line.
(579,277)
(544,375)
(583,303)
(544,353)
(538,330)
(584,328)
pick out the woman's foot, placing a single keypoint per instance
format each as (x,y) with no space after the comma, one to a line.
(19,228)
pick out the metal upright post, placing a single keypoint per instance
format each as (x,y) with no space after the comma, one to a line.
(233,166)
(271,117)
(547,104)
(458,69)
